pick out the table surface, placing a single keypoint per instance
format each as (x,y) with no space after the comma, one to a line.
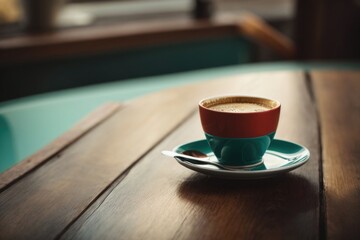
(106,178)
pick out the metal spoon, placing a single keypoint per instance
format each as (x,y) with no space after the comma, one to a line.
(196,157)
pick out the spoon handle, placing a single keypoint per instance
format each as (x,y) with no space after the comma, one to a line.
(204,160)
(175,154)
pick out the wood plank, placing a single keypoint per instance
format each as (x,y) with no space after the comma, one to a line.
(74,178)
(38,158)
(262,33)
(86,41)
(116,37)
(337,94)
(159,199)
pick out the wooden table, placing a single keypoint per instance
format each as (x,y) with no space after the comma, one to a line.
(106,178)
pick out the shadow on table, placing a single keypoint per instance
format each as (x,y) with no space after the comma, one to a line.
(267,203)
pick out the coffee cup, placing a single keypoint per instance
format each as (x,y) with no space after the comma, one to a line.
(239,129)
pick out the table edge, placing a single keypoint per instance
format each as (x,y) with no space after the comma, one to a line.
(30,163)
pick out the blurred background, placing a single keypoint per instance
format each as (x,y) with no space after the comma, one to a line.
(60,59)
(61,44)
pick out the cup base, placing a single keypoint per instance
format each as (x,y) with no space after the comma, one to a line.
(239,152)
(245,166)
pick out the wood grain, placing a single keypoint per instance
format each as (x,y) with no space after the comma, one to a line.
(159,199)
(337,94)
(85,125)
(72,179)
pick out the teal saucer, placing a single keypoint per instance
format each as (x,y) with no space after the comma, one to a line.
(281,157)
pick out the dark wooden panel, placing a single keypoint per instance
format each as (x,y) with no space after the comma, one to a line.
(338,94)
(85,125)
(328,29)
(159,199)
(47,200)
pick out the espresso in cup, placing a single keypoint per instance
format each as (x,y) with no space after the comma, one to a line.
(239,107)
(239,129)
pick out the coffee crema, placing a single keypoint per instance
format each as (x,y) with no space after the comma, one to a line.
(239,107)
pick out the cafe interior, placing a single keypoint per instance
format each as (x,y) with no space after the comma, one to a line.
(60,60)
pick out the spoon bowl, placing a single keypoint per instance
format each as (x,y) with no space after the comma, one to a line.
(197,157)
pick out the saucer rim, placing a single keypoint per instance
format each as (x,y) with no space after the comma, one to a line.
(242,172)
